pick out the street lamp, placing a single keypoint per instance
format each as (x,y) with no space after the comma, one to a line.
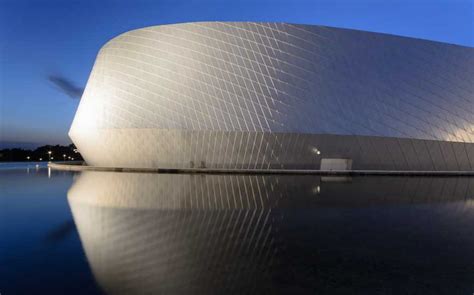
(64,157)
(28,158)
(49,154)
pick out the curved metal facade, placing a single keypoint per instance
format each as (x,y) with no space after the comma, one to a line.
(268,95)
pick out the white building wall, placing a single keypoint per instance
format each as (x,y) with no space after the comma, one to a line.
(248,84)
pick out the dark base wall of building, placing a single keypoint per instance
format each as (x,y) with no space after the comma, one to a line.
(159,148)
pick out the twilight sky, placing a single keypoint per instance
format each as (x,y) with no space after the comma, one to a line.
(47,48)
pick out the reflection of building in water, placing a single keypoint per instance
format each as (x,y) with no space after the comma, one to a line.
(175,233)
(196,234)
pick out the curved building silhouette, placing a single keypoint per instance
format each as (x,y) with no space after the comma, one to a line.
(233,95)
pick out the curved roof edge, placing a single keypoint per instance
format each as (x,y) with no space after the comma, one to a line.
(290,23)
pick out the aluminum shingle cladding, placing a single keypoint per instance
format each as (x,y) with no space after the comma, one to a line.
(272,78)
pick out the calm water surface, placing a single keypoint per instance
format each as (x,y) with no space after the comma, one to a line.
(133,233)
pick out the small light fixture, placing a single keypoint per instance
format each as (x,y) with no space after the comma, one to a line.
(316,151)
(316,190)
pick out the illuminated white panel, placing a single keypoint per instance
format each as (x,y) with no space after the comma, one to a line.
(263,95)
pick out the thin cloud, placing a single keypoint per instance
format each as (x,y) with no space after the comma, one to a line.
(66,86)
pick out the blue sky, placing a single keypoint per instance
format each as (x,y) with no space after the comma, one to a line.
(39,39)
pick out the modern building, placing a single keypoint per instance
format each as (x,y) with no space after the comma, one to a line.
(238,95)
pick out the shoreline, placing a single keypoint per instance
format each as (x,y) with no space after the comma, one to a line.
(79,167)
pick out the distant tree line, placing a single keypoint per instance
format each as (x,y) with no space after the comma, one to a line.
(43,153)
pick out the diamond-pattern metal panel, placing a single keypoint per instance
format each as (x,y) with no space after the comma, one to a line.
(255,88)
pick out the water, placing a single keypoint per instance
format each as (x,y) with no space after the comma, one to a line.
(133,233)
(20,165)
